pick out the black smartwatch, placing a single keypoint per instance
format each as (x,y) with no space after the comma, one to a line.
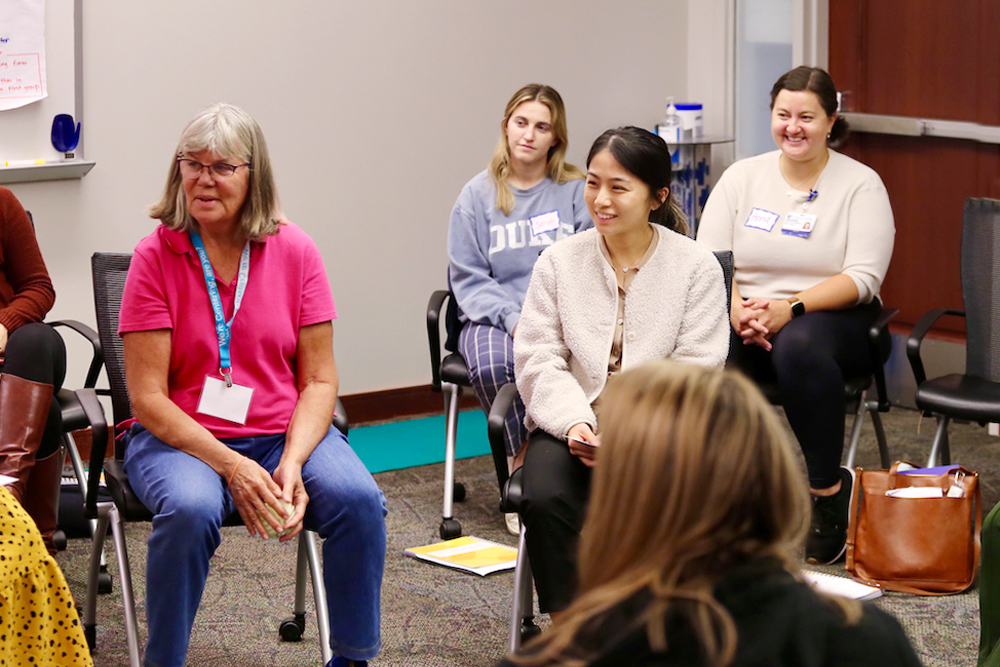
(798,308)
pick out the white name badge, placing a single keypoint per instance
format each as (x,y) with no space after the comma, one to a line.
(761,219)
(546,222)
(799,224)
(229,403)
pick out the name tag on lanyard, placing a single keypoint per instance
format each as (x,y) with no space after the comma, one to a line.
(223,398)
(231,403)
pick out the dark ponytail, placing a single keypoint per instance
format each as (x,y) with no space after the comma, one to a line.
(645,156)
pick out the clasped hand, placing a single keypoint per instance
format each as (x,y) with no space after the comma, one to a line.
(758,320)
(253,490)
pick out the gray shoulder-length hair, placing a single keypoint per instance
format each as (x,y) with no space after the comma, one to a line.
(231,132)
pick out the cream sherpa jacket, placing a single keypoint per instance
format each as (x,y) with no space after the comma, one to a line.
(675,307)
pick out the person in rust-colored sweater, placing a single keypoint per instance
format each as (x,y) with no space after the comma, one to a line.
(32,368)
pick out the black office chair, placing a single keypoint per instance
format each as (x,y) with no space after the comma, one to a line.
(109,272)
(857,389)
(75,417)
(449,376)
(975,394)
(522,625)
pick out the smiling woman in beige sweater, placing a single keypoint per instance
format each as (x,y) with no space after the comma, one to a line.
(633,289)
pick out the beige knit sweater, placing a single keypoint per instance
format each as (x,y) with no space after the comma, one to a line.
(676,308)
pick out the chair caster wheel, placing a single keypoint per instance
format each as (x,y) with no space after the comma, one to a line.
(291,628)
(59,540)
(458,492)
(450,529)
(104,582)
(529,631)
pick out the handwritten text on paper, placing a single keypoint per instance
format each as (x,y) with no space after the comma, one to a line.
(22,52)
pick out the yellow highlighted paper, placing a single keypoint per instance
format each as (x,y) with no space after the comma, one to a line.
(470,554)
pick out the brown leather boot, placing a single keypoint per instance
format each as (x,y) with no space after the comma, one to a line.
(41,497)
(24,408)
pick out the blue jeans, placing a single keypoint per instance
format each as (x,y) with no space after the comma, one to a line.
(189,502)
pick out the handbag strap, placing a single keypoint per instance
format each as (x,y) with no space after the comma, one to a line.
(852,522)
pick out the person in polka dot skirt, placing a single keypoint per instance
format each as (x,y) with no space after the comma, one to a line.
(39,625)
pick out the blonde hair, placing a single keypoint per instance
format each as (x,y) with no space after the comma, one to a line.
(557,168)
(228,131)
(695,476)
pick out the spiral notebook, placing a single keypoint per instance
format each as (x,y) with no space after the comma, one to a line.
(831,584)
(469,554)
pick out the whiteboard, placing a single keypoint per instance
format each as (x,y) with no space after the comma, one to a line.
(25,133)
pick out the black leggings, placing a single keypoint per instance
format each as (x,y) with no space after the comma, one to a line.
(36,352)
(553,506)
(811,356)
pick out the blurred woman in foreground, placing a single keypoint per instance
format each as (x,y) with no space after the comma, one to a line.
(687,556)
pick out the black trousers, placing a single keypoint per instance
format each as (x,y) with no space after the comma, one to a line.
(36,352)
(554,500)
(809,360)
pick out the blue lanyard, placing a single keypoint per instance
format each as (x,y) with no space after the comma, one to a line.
(223,329)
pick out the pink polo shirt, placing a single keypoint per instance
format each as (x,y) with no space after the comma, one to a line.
(287,289)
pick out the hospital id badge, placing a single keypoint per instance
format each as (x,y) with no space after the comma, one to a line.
(229,403)
(799,224)
(546,222)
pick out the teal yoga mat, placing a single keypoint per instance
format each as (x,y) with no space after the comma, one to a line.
(417,442)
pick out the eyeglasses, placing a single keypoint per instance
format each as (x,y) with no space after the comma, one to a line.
(192,168)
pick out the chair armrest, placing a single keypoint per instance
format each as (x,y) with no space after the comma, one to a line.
(340,416)
(875,334)
(435,307)
(97,361)
(98,447)
(916,339)
(496,421)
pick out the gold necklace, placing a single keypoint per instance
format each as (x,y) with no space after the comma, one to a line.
(630,265)
(808,178)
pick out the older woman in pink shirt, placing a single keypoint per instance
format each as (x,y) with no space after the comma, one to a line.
(227,325)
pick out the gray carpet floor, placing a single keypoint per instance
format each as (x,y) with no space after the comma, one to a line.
(436,616)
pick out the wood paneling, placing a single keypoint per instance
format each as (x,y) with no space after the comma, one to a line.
(927,59)
(914,57)
(928,182)
(987,96)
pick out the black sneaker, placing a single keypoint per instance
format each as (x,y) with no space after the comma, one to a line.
(827,539)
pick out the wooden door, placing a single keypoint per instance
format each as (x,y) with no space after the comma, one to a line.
(925,59)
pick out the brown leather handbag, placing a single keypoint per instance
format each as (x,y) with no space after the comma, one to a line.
(923,545)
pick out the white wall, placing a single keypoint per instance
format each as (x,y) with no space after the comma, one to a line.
(711,71)
(376,114)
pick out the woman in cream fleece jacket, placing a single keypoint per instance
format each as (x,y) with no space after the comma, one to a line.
(633,289)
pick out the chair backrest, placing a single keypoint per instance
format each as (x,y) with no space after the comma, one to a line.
(981,287)
(725,258)
(109,271)
(452,324)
